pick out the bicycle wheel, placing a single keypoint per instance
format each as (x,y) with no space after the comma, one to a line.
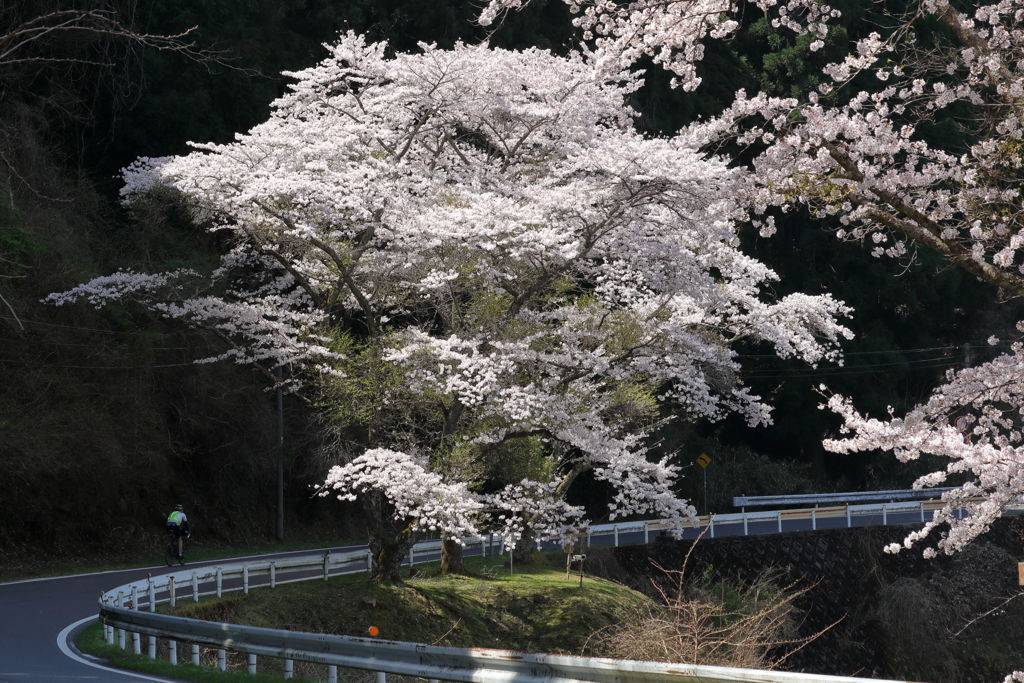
(169,554)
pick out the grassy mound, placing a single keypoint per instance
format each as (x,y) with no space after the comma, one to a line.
(534,610)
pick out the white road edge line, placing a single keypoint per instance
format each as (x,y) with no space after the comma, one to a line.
(62,643)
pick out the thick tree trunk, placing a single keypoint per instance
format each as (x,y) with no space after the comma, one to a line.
(523,552)
(388,554)
(451,558)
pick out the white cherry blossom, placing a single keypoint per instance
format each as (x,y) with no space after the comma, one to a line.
(532,266)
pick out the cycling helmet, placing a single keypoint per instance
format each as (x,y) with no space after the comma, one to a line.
(179,508)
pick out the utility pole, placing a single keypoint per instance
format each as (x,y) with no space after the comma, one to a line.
(280,458)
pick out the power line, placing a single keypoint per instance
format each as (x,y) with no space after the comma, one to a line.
(99,367)
(958,349)
(106,346)
(841,371)
(83,329)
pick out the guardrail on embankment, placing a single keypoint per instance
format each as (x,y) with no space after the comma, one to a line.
(122,616)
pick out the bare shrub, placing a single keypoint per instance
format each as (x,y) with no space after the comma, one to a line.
(734,624)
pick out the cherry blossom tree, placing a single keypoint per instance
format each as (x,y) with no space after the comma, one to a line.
(856,151)
(537,278)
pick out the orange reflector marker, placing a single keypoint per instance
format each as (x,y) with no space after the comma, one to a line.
(374,631)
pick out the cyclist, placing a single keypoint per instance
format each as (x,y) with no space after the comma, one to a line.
(177,526)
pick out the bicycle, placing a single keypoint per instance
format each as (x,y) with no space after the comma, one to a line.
(171,550)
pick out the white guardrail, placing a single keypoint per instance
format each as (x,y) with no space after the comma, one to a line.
(123,619)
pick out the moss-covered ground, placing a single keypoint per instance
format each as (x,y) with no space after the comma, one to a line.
(536,609)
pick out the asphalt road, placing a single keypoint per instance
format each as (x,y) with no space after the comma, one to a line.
(39,618)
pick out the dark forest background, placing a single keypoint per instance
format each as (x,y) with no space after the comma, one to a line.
(104,421)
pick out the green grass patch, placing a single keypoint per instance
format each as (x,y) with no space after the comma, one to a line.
(534,610)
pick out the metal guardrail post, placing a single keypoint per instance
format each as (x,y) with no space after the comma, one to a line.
(814,520)
(151,650)
(412,555)
(195,587)
(616,530)
(779,515)
(884,516)
(245,579)
(152,594)
(136,645)
(220,581)
(922,511)
(222,659)
(195,654)
(327,563)
(849,522)
(711,526)
(172,651)
(746,532)
(381,677)
(273,575)
(120,631)
(170,589)
(646,540)
(332,674)
(251,668)
(289,670)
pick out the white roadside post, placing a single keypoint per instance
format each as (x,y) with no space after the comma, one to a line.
(252,664)
(120,631)
(172,651)
(220,581)
(170,589)
(222,659)
(195,587)
(289,669)
(136,642)
(195,654)
(332,673)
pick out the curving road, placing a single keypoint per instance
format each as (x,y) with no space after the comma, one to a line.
(39,618)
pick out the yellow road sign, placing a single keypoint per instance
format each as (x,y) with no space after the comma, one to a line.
(703,460)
